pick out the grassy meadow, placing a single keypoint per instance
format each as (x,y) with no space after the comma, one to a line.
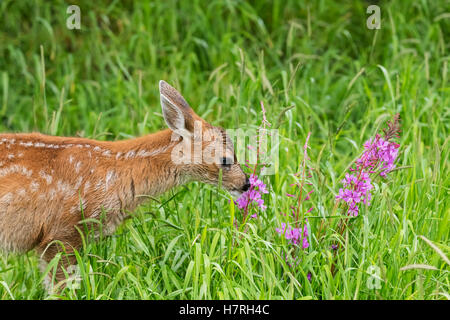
(343,80)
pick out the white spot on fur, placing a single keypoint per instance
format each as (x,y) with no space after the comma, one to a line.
(143,153)
(98,185)
(78,183)
(78,167)
(52,194)
(46,176)
(130,154)
(21,192)
(110,178)
(26,144)
(64,188)
(87,185)
(152,153)
(34,186)
(15,169)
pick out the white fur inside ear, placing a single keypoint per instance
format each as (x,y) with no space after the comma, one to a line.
(174,117)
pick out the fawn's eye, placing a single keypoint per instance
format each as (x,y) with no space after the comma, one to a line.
(226,162)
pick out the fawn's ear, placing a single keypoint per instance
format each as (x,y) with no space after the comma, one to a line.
(176,111)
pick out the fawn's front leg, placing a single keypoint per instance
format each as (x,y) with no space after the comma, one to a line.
(57,278)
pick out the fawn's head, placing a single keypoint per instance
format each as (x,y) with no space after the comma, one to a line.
(204,153)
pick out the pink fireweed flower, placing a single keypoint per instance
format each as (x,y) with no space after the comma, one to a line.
(378,157)
(257,184)
(294,235)
(379,154)
(356,190)
(309,193)
(253,195)
(291,195)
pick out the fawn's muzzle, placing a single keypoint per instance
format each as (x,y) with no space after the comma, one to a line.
(246,185)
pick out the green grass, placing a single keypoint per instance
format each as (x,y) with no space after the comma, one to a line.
(344,82)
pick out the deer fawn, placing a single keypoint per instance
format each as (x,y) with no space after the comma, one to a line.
(48,184)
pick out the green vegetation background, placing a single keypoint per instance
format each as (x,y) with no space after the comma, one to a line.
(344,81)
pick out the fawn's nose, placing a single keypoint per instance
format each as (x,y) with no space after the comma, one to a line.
(246,185)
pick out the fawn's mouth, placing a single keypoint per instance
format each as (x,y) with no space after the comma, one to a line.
(236,194)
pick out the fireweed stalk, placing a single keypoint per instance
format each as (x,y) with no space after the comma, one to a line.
(251,200)
(296,232)
(377,160)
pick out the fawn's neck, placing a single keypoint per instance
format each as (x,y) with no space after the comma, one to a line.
(146,168)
